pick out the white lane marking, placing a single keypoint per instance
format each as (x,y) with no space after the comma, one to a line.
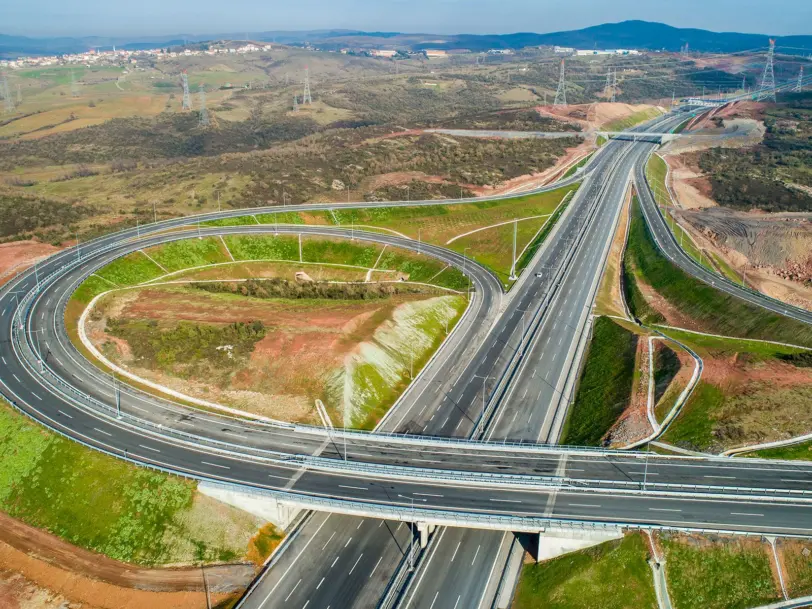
(722,477)
(64,413)
(329,540)
(455,551)
(36,396)
(4,361)
(505,500)
(436,594)
(426,495)
(348,542)
(359,524)
(375,568)
(791,480)
(663,510)
(102,431)
(149,448)
(215,465)
(355,488)
(476,554)
(458,601)
(745,514)
(294,590)
(16,377)
(356,563)
(334,562)
(586,505)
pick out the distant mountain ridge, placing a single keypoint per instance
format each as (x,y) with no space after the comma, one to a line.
(626,34)
(637,35)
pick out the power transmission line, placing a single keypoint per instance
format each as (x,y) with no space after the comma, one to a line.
(9,103)
(768,77)
(561,92)
(187,99)
(306,98)
(204,113)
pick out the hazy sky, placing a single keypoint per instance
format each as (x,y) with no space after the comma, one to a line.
(158,17)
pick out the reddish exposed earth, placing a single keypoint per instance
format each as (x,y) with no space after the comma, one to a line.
(38,569)
(19,255)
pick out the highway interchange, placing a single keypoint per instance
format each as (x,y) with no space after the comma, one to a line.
(516,350)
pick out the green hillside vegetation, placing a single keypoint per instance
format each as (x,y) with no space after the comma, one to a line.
(721,415)
(605,387)
(712,310)
(801,452)
(759,177)
(728,574)
(108,506)
(632,120)
(614,572)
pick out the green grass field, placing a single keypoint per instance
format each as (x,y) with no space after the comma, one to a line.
(712,310)
(606,384)
(571,171)
(795,452)
(632,120)
(132,269)
(106,505)
(710,418)
(188,253)
(656,173)
(613,575)
(729,574)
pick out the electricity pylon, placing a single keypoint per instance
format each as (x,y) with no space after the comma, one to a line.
(561,92)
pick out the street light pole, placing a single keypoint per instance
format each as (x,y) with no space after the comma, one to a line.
(117,390)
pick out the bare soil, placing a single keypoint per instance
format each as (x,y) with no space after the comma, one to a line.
(39,570)
(775,249)
(692,188)
(304,347)
(609,300)
(19,255)
(592,116)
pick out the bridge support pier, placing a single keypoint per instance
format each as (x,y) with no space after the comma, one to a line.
(425,530)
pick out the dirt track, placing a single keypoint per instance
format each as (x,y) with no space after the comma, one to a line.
(32,551)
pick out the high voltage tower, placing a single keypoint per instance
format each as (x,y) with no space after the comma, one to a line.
(561,92)
(204,113)
(768,78)
(187,99)
(798,87)
(306,98)
(9,103)
(74,86)
(614,85)
(611,84)
(295,103)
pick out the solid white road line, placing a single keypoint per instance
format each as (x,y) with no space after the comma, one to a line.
(215,465)
(455,551)
(476,554)
(356,563)
(375,568)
